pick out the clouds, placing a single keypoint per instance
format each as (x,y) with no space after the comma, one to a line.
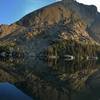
(58,0)
(91,2)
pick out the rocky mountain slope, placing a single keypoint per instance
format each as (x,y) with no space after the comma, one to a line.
(66,20)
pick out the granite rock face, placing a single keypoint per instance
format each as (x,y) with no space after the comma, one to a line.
(64,19)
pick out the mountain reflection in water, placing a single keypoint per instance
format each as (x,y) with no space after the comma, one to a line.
(53,79)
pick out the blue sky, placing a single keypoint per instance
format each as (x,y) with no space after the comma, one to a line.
(13,10)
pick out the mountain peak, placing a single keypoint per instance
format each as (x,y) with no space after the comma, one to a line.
(58,17)
(68,1)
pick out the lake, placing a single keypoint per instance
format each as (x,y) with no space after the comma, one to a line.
(10,92)
(36,79)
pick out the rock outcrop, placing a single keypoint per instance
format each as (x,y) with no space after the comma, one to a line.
(64,19)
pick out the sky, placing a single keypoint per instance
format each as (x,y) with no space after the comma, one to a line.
(13,10)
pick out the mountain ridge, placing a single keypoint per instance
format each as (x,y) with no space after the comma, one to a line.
(62,20)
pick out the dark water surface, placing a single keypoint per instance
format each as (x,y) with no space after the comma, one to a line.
(49,80)
(10,92)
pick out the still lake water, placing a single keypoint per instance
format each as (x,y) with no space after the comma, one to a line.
(49,80)
(10,92)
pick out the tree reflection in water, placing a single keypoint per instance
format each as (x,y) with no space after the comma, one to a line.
(52,80)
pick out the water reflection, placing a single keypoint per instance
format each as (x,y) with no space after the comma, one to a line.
(10,92)
(53,79)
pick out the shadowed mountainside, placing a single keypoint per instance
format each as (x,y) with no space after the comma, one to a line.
(66,20)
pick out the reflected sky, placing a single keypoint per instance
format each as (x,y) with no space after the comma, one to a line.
(10,92)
